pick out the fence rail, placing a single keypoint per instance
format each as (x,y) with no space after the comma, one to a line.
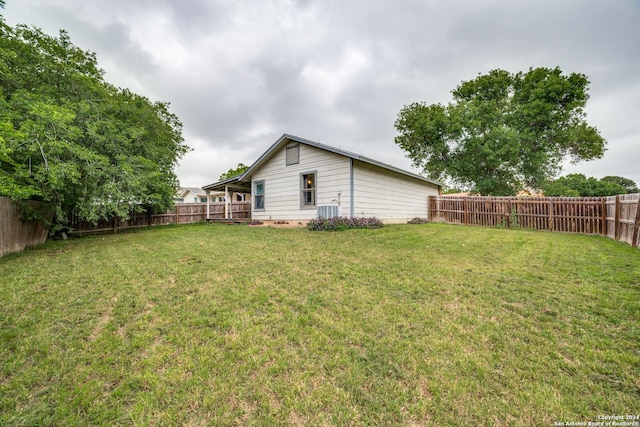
(617,217)
(183,213)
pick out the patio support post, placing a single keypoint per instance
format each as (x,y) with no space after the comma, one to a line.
(208,196)
(226,202)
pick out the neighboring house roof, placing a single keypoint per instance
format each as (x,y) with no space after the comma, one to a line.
(461,194)
(244,180)
(183,191)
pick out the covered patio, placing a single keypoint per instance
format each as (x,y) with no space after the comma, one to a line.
(234,210)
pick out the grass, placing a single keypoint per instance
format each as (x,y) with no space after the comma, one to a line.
(406,325)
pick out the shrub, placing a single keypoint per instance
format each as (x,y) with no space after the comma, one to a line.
(339,223)
(418,220)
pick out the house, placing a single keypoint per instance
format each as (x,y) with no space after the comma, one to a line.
(298,180)
(198,195)
(191,195)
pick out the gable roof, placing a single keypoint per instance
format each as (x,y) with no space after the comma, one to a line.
(195,190)
(286,139)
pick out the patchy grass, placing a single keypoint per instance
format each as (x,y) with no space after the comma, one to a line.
(405,325)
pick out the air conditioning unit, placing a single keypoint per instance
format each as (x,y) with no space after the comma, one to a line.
(329,211)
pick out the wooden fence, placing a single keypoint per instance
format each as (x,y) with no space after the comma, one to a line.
(623,218)
(183,213)
(15,234)
(617,217)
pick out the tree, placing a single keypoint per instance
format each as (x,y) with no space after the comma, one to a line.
(239,170)
(69,138)
(503,131)
(578,185)
(629,185)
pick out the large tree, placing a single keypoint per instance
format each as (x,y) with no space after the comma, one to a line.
(502,131)
(69,138)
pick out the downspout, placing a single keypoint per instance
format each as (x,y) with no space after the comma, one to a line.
(352,197)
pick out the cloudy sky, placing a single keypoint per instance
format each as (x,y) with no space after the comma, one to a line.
(241,73)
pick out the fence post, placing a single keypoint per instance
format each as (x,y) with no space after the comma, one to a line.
(177,214)
(636,224)
(464,210)
(509,213)
(552,226)
(604,216)
(616,229)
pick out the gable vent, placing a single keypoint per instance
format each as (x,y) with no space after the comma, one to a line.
(293,154)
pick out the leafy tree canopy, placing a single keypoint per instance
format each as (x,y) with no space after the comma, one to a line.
(239,170)
(578,185)
(629,185)
(69,138)
(503,131)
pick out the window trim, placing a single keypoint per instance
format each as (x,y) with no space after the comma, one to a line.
(256,196)
(303,190)
(286,155)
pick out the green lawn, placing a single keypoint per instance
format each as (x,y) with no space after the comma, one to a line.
(406,325)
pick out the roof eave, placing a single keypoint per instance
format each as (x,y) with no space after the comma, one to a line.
(232,183)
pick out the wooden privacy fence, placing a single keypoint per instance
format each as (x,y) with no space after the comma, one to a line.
(15,235)
(183,213)
(617,217)
(623,218)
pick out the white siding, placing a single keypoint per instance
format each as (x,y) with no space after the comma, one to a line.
(389,196)
(282,183)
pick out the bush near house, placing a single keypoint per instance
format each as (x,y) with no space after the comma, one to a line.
(339,223)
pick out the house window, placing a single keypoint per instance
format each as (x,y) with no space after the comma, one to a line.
(239,197)
(293,154)
(308,190)
(258,193)
(203,199)
(195,200)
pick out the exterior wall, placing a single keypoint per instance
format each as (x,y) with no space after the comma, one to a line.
(282,184)
(188,197)
(389,196)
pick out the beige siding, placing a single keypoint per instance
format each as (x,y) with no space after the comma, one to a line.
(390,196)
(282,183)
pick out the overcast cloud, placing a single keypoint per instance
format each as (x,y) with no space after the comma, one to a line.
(239,74)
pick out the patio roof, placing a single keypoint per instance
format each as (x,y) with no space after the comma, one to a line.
(232,184)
